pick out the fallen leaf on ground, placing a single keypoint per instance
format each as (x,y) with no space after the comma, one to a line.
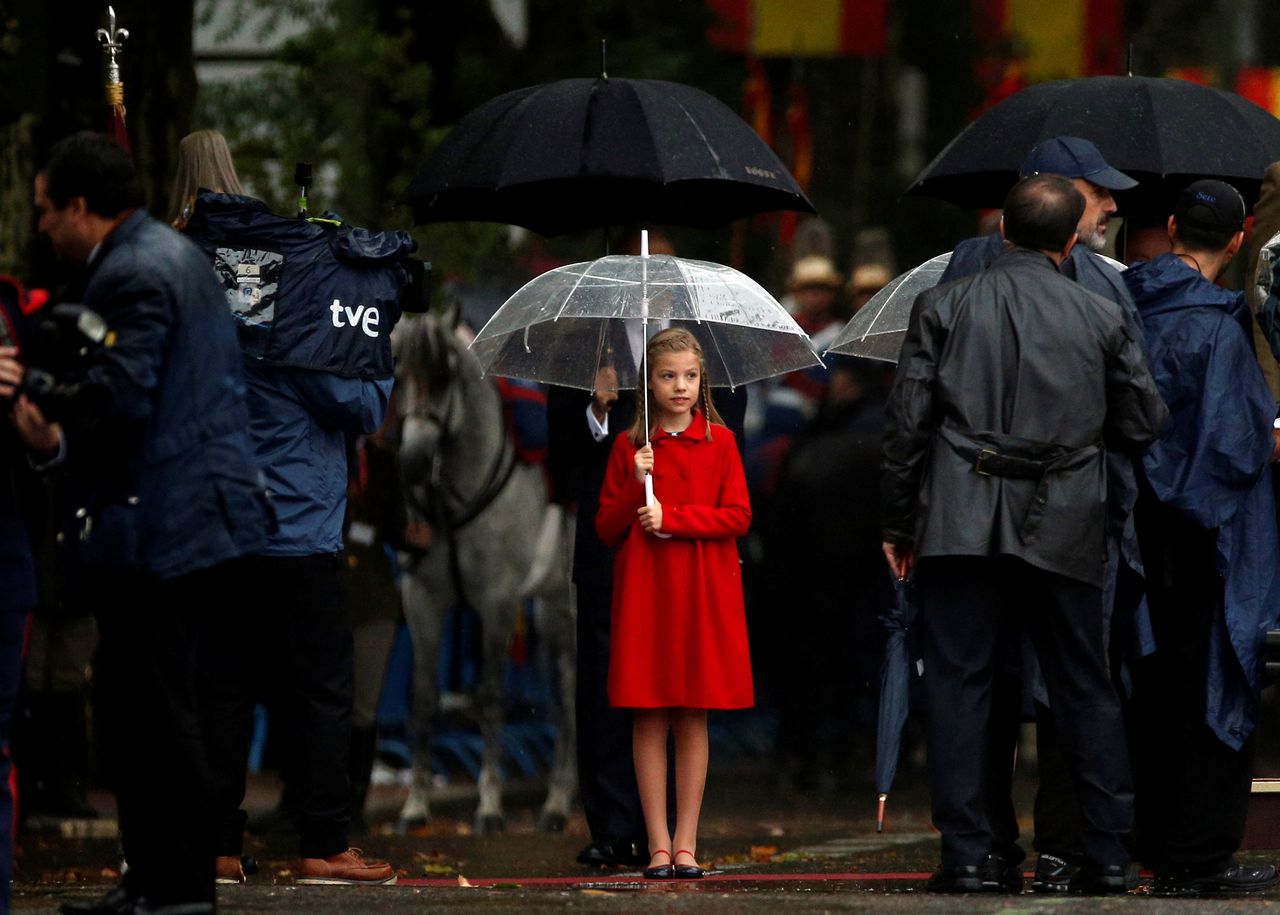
(463,881)
(763,853)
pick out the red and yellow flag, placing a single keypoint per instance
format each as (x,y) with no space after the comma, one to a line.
(1057,39)
(800,28)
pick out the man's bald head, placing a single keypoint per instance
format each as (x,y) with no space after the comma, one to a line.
(1042,213)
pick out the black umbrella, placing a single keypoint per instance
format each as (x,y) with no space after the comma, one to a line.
(585,153)
(1148,127)
(895,682)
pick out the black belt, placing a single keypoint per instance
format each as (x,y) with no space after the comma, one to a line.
(991,462)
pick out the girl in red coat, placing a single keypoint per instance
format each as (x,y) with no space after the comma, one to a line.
(678,644)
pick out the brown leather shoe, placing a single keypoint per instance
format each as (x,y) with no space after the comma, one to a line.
(227,869)
(348,868)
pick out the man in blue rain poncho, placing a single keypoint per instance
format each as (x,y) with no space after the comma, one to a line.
(1207,529)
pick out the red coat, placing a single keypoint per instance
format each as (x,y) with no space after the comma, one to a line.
(679,631)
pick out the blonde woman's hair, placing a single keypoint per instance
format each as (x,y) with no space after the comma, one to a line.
(204,161)
(672,340)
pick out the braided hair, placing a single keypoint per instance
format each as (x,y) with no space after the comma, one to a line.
(672,340)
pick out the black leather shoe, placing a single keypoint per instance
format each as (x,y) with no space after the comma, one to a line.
(660,871)
(116,901)
(1104,879)
(1053,874)
(614,853)
(688,871)
(958,878)
(1001,876)
(1234,880)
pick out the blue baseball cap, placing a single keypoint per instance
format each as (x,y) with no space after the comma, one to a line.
(1212,205)
(1073,157)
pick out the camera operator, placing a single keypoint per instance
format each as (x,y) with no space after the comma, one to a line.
(153,439)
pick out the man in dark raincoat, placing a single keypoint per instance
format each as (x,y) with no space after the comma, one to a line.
(1206,525)
(994,477)
(165,502)
(1057,815)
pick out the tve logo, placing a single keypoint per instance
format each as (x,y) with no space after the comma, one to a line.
(364,318)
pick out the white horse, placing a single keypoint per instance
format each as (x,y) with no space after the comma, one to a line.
(497,541)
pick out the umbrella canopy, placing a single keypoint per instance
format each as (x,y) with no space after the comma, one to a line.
(586,153)
(1148,127)
(564,326)
(880,326)
(895,681)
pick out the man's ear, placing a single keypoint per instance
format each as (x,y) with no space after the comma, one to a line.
(77,207)
(1003,237)
(1233,246)
(1172,227)
(1071,243)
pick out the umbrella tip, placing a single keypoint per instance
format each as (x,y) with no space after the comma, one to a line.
(880,813)
(644,242)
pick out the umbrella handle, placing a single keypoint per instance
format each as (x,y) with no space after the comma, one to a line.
(649,500)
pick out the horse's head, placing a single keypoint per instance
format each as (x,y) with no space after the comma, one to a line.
(431,360)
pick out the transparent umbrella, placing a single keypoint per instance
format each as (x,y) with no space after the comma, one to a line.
(880,326)
(566,325)
(579,324)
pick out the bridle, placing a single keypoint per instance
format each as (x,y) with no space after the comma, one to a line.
(445,505)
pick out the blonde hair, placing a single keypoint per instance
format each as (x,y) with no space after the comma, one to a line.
(204,161)
(672,340)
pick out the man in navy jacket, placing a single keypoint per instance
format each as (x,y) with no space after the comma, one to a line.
(154,442)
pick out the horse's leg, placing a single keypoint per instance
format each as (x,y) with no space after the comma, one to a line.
(425,619)
(557,622)
(497,621)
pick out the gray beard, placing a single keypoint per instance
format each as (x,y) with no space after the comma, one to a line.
(1093,240)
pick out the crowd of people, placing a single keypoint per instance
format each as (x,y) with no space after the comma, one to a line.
(1081,457)
(1072,465)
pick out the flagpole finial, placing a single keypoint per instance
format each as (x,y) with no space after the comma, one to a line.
(112,40)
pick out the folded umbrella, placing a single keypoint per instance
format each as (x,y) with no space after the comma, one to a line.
(895,682)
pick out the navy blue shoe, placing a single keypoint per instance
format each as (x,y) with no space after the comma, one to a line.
(688,871)
(660,871)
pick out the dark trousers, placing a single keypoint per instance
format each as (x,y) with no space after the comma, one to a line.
(606,771)
(1192,789)
(968,602)
(290,639)
(147,710)
(13,627)
(1056,812)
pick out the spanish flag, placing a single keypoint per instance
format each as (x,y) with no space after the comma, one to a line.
(1058,39)
(800,28)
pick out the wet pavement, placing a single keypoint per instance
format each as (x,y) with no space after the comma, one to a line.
(771,848)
